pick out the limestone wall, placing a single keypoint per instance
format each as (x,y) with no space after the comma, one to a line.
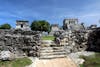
(20,41)
(73,41)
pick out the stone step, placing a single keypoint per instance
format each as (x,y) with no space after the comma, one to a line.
(51,49)
(48,51)
(53,53)
(52,56)
(43,48)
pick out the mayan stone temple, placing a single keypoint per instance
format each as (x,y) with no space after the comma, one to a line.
(70,41)
(72,24)
(24,25)
(49,33)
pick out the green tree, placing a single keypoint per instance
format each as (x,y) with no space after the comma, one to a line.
(40,25)
(5,26)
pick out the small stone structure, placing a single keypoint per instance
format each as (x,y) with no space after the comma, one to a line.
(93,26)
(54,28)
(72,24)
(23,25)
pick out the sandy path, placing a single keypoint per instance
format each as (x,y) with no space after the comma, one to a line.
(58,62)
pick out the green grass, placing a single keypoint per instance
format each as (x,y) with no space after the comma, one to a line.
(22,62)
(92,61)
(48,38)
(81,65)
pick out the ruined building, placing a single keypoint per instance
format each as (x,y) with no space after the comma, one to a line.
(23,25)
(72,24)
(54,28)
(76,37)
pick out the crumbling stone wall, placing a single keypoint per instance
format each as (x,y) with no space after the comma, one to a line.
(20,41)
(94,40)
(73,40)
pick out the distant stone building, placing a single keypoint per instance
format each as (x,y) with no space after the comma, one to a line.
(24,25)
(93,26)
(54,28)
(72,24)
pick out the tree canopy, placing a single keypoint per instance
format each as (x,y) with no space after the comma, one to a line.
(5,26)
(40,25)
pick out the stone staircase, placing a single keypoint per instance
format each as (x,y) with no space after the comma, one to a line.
(52,52)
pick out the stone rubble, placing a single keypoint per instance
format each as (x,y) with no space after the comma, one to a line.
(77,42)
(6,55)
(20,42)
(74,41)
(76,56)
(80,40)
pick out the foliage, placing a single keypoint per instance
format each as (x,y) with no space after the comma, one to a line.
(22,62)
(48,38)
(40,25)
(81,65)
(92,61)
(5,26)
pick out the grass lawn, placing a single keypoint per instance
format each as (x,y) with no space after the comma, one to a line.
(48,38)
(22,62)
(92,61)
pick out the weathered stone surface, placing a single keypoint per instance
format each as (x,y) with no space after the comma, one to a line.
(76,56)
(18,40)
(6,55)
(94,39)
(73,40)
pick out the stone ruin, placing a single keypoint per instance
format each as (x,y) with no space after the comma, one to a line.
(75,41)
(94,39)
(76,37)
(20,42)
(54,28)
(23,25)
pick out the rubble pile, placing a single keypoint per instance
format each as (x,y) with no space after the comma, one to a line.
(20,42)
(94,40)
(73,41)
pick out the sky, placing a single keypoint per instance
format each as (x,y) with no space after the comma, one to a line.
(53,11)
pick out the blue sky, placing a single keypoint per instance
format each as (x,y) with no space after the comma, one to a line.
(54,11)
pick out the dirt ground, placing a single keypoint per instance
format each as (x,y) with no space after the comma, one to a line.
(58,62)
